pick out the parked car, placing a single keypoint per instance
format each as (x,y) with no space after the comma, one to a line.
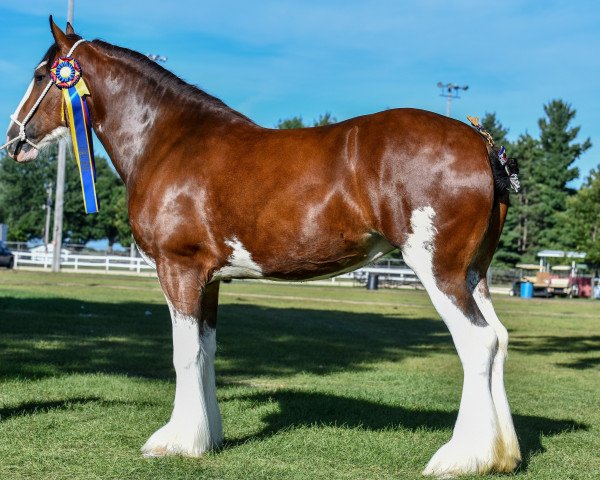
(7,259)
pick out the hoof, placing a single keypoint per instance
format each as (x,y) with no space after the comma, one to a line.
(178,439)
(455,459)
(458,458)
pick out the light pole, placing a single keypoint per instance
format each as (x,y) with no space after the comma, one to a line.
(450,91)
(48,207)
(60,185)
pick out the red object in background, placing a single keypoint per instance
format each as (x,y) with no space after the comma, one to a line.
(581,285)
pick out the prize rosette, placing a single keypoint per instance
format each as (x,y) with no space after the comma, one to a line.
(66,75)
(65,72)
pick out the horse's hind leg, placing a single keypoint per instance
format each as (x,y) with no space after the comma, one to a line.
(509,442)
(473,446)
(195,424)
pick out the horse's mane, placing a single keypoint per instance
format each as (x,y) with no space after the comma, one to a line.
(162,76)
(169,80)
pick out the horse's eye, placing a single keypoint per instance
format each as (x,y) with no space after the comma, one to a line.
(39,78)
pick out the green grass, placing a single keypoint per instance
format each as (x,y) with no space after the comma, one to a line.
(313,382)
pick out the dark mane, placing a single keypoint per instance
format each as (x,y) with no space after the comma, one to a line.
(169,80)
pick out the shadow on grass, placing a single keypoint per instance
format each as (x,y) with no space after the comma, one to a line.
(47,337)
(305,409)
(34,408)
(576,344)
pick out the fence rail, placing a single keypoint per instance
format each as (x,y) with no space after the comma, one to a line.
(388,272)
(391,273)
(106,263)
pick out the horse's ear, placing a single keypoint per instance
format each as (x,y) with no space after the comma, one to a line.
(59,36)
(70,30)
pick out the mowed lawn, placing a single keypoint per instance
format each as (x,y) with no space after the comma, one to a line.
(313,382)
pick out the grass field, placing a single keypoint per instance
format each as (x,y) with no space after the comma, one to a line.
(313,382)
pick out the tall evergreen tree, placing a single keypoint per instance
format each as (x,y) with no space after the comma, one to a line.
(496,129)
(506,253)
(528,152)
(555,170)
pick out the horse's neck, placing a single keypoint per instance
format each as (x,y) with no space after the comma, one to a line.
(130,114)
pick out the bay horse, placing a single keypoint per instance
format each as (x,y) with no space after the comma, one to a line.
(212,196)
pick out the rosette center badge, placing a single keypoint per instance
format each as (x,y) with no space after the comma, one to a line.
(65,72)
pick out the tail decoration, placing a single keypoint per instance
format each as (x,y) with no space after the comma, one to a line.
(66,75)
(509,164)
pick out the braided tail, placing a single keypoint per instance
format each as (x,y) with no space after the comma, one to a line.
(506,170)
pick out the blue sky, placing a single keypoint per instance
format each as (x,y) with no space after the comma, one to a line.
(274,59)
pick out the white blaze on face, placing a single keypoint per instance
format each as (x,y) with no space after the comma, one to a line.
(23,100)
(19,107)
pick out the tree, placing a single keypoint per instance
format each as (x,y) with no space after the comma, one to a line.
(22,195)
(528,153)
(296,122)
(288,123)
(507,253)
(325,119)
(581,219)
(555,170)
(546,168)
(496,129)
(111,222)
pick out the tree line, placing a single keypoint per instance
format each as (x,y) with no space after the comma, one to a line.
(546,214)
(23,199)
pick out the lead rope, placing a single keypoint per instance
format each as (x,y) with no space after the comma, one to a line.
(22,137)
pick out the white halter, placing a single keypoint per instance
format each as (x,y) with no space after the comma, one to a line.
(22,137)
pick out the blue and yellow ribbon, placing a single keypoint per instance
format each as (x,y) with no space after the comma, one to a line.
(67,76)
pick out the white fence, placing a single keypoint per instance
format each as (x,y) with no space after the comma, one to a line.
(389,274)
(106,263)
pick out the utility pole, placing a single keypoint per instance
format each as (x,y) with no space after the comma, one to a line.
(450,91)
(48,207)
(60,186)
(59,206)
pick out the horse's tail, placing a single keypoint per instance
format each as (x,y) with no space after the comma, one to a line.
(504,169)
(502,182)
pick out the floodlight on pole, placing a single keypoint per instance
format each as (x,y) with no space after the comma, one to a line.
(450,91)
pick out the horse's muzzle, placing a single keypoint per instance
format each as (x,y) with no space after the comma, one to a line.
(21,151)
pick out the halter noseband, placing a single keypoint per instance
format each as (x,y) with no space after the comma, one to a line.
(22,137)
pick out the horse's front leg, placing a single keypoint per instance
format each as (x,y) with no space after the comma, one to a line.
(195,424)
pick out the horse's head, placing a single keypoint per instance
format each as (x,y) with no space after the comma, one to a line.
(38,126)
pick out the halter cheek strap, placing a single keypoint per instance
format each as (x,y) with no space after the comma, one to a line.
(22,137)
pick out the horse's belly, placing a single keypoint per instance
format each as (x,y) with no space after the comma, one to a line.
(315,262)
(375,248)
